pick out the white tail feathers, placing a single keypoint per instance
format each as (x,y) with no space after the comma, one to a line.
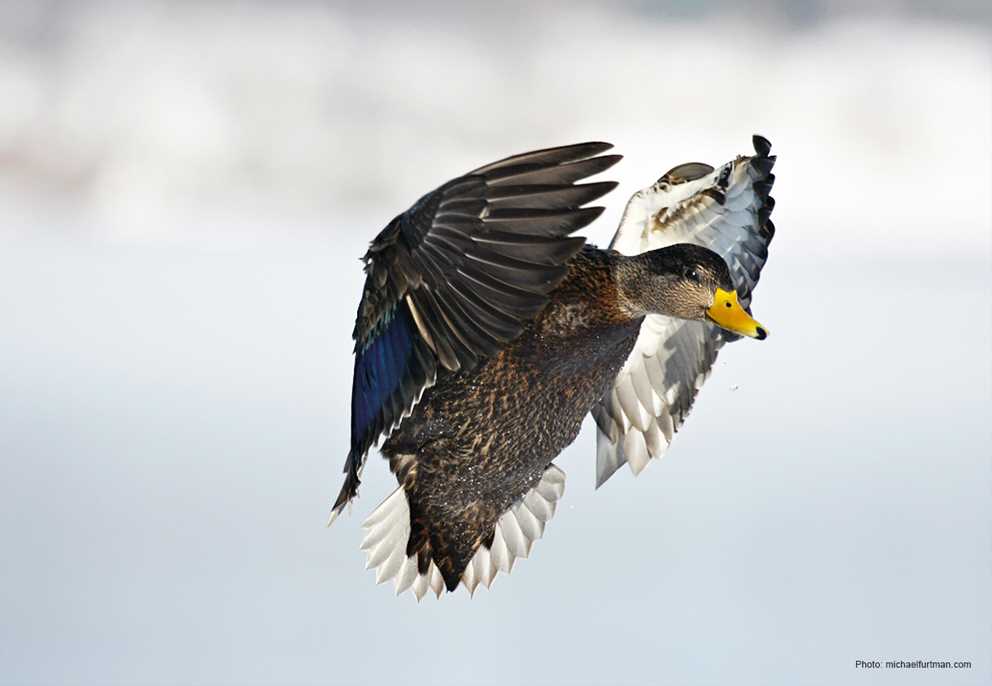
(388,531)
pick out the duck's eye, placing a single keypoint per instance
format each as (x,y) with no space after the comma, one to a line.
(692,274)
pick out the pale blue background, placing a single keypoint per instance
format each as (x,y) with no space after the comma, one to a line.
(183,197)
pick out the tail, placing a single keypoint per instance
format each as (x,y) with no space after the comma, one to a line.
(388,541)
(352,480)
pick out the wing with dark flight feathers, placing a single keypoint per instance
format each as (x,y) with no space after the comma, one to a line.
(457,276)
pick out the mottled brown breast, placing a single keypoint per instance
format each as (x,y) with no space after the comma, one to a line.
(478,441)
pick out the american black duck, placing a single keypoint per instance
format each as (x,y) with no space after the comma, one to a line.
(487,331)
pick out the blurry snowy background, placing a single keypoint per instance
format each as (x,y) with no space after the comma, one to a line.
(185,189)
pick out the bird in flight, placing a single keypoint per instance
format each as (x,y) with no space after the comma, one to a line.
(487,331)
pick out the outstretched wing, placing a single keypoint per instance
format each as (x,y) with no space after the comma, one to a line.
(457,276)
(726,210)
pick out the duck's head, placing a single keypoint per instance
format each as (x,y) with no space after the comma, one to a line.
(688,282)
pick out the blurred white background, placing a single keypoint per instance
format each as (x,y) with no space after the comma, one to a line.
(185,189)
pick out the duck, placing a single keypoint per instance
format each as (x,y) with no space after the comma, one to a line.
(487,331)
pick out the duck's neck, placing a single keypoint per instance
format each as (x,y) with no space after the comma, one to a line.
(589,304)
(629,273)
(586,328)
(603,280)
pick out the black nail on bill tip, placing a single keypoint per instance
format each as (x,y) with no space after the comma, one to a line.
(762,334)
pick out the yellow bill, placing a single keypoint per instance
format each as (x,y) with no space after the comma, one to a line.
(727,313)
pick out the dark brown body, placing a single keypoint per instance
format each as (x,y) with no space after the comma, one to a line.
(479,440)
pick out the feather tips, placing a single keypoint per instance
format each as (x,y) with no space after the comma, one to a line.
(726,210)
(516,531)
